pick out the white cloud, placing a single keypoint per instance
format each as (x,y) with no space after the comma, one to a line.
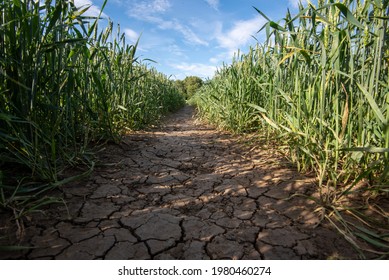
(93,10)
(152,11)
(185,31)
(240,34)
(148,9)
(188,33)
(131,35)
(222,57)
(175,50)
(213,3)
(214,60)
(295,3)
(160,5)
(196,69)
(118,2)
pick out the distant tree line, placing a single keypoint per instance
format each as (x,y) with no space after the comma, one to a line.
(189,85)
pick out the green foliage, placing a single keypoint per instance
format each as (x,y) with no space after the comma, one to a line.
(65,83)
(180,87)
(320,84)
(190,85)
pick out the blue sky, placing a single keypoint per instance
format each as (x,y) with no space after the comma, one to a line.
(190,37)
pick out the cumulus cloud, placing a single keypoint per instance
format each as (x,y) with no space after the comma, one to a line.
(196,69)
(131,35)
(240,34)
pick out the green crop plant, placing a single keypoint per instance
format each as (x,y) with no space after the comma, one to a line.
(320,85)
(67,82)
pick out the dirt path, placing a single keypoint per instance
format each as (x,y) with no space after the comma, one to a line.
(184,191)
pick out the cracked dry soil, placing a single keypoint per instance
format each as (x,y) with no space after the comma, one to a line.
(183,191)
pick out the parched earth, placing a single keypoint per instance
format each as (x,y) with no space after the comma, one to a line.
(184,191)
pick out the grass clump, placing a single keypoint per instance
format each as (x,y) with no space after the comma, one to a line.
(320,86)
(66,83)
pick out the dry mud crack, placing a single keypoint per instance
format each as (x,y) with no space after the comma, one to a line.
(184,191)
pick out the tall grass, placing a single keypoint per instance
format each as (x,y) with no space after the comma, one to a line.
(320,85)
(65,82)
